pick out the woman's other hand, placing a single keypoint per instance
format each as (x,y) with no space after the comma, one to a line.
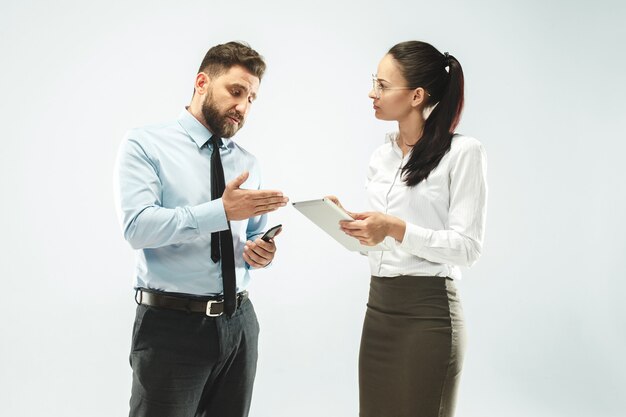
(371,228)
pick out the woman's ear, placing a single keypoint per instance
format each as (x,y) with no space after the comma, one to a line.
(419,97)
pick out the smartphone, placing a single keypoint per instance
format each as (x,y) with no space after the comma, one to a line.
(271,232)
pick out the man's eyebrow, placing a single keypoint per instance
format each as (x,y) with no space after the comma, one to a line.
(246,89)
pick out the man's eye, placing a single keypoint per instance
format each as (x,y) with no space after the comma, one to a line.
(236,93)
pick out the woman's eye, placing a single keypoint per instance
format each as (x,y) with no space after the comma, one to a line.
(236,93)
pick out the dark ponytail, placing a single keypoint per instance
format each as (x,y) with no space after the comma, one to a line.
(424,66)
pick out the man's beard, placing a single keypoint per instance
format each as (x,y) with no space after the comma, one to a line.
(220,124)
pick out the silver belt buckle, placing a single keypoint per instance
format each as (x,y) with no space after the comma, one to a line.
(208,308)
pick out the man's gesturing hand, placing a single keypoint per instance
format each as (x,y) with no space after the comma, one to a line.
(242,204)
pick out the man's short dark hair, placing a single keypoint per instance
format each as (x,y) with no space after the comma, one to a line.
(221,58)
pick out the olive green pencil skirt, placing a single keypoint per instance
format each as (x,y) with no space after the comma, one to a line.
(411,348)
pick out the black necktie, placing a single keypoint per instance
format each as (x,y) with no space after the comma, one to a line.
(222,240)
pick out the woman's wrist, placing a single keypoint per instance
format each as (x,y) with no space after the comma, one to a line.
(396,228)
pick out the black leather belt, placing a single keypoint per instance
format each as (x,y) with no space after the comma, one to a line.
(211,307)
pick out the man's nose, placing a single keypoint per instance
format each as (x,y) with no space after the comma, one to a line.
(242,107)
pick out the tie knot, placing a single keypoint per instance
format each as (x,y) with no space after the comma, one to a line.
(216,141)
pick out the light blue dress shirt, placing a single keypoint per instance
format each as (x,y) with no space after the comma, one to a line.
(163,191)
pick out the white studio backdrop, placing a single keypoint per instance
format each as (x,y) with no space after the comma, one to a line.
(545,90)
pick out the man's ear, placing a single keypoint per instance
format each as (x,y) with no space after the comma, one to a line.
(202,83)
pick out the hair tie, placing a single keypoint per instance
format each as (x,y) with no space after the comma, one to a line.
(447,59)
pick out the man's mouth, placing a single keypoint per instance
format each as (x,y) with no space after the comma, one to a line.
(234,120)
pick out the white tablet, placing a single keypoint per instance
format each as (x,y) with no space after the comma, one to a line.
(327,215)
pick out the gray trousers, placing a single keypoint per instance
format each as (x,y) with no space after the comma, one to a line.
(191,365)
(411,348)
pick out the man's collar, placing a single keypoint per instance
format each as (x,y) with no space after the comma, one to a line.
(198,132)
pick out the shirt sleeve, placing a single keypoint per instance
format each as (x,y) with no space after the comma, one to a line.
(146,224)
(256,226)
(461,243)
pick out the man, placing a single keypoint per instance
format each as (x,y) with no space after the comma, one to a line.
(190,203)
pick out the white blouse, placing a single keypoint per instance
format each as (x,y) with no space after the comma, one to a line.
(444,214)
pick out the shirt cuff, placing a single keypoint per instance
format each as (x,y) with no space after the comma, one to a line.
(249,268)
(391,242)
(210,216)
(414,238)
(255,236)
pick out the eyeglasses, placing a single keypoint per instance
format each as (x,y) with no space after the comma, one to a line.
(379,88)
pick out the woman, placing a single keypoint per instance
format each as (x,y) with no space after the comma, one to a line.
(428,191)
